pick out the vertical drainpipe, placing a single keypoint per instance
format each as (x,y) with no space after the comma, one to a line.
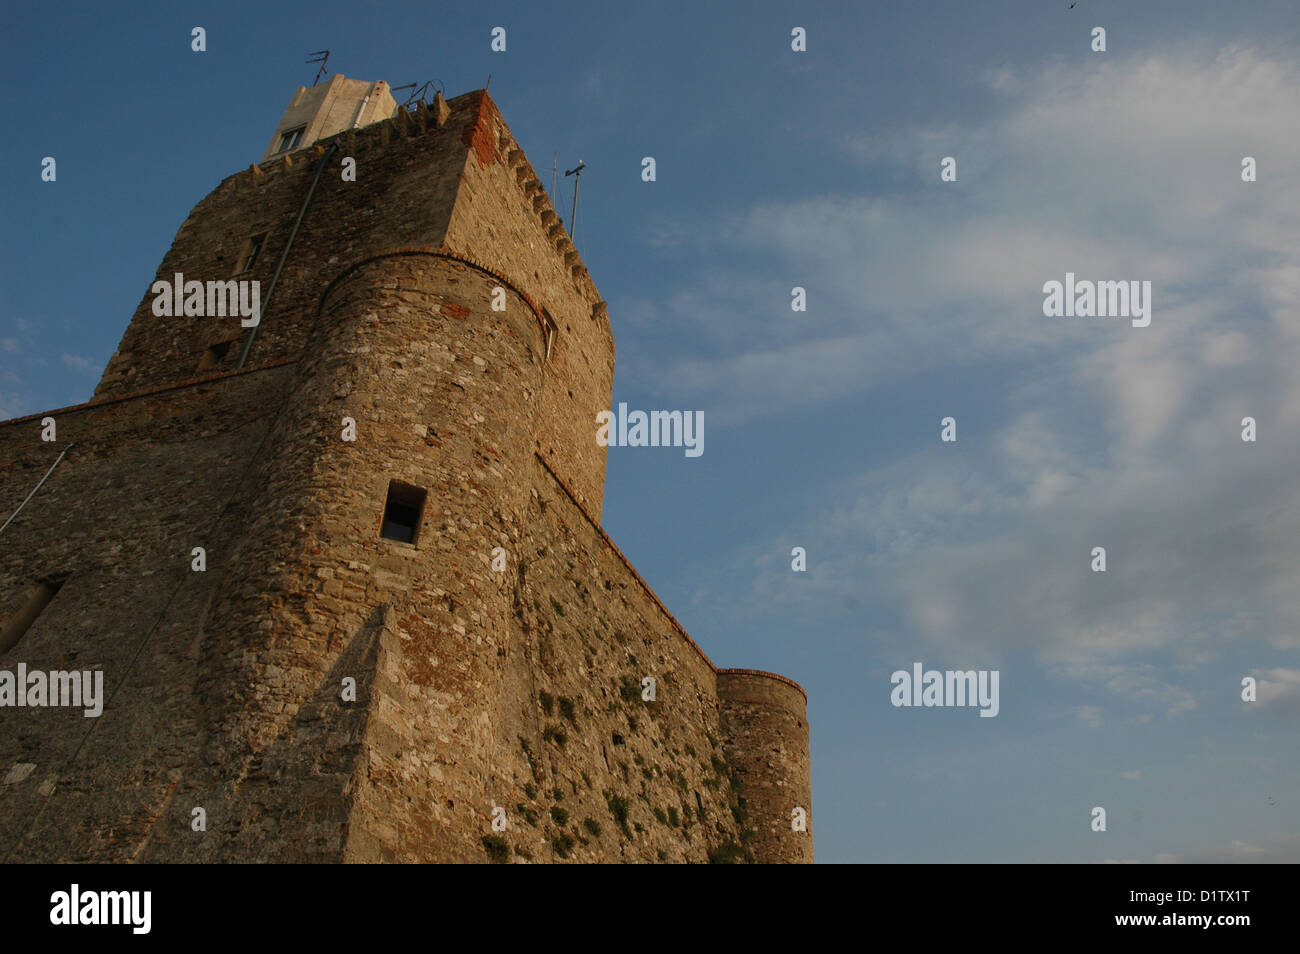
(361,110)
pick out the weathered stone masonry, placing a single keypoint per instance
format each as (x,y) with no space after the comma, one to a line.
(475,689)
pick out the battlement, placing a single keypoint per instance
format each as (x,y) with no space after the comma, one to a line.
(482,130)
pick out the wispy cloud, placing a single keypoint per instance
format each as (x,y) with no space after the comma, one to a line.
(1283,849)
(1108,435)
(78,363)
(1278,690)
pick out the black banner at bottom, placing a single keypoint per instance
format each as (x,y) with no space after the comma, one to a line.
(144,904)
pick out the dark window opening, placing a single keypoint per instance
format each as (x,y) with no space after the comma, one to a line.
(253,248)
(549,324)
(618,739)
(37,599)
(402,512)
(290,139)
(213,357)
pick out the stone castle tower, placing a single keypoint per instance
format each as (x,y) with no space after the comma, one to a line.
(405,621)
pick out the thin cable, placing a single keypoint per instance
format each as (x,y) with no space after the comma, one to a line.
(284,255)
(38,485)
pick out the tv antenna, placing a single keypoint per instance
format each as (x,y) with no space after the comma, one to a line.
(576,172)
(324,56)
(421,94)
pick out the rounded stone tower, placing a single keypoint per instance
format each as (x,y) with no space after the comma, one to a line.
(765,731)
(401,461)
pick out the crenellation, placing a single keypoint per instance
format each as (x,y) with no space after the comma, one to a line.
(439,109)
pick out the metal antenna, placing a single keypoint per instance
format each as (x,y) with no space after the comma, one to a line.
(576,172)
(421,94)
(324,56)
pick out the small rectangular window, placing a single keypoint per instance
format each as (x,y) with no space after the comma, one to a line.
(252,249)
(290,139)
(37,599)
(402,512)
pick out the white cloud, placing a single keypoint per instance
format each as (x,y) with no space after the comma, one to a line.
(11,405)
(77,362)
(1117,436)
(1278,689)
(1089,716)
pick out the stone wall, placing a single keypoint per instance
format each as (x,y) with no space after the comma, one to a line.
(456,180)
(504,219)
(587,745)
(404,191)
(148,480)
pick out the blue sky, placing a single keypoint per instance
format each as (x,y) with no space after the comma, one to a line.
(821,169)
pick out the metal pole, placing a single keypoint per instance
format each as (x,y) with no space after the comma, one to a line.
(573,226)
(576,171)
(279,266)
